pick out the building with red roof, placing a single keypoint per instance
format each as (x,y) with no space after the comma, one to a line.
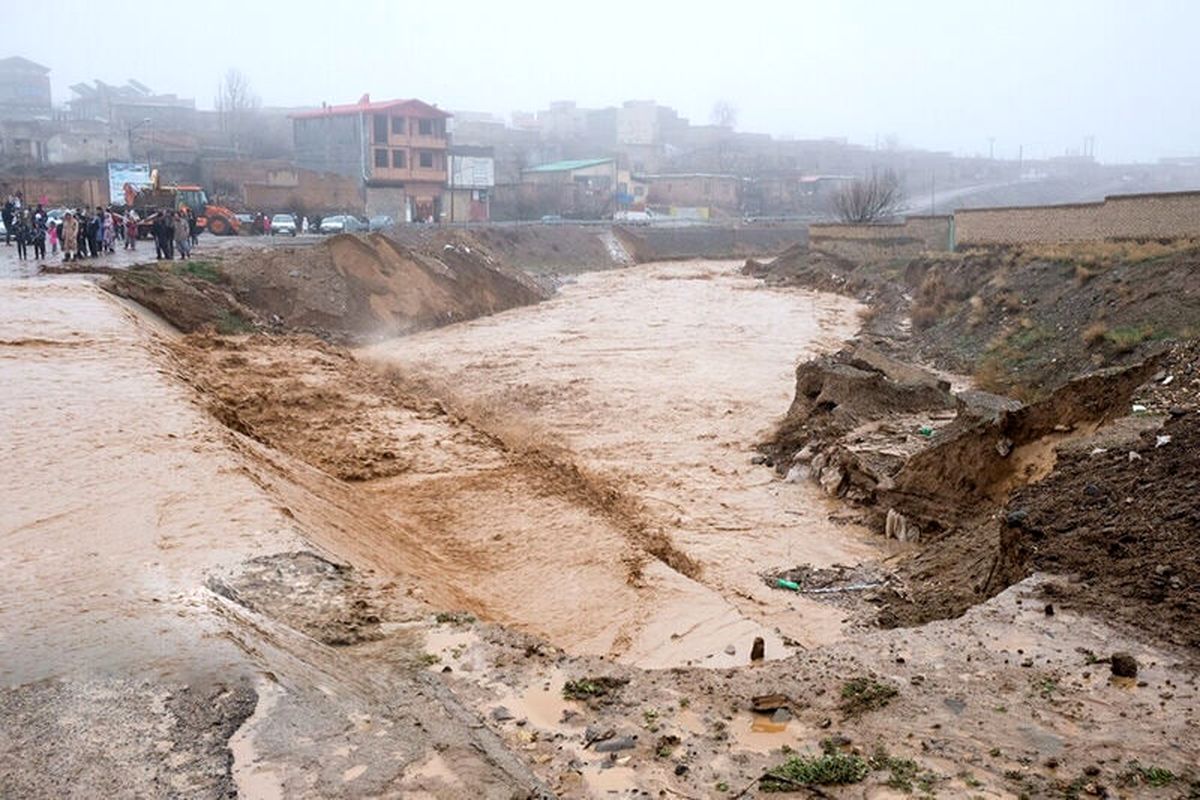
(396,149)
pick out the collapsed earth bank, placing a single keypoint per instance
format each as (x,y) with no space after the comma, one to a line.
(1079,461)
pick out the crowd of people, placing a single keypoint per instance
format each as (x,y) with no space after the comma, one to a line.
(83,234)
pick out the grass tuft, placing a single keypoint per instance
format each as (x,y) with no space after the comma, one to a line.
(828,769)
(860,695)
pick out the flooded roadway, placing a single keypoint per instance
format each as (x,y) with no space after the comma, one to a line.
(120,496)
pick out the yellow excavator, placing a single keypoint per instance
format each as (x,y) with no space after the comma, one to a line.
(156,199)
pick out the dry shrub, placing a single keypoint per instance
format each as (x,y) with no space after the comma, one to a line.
(1094,334)
(870,313)
(991,376)
(978,312)
(924,317)
(1102,254)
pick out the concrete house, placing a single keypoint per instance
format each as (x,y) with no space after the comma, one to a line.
(396,150)
(24,89)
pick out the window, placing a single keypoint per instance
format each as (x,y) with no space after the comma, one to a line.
(380,124)
(426,159)
(425,127)
(398,128)
(399,159)
(381,158)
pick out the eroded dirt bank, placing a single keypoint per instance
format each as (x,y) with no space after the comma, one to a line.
(345,288)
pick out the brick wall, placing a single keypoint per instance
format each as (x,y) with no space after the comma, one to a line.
(276,186)
(69,192)
(886,240)
(1134,216)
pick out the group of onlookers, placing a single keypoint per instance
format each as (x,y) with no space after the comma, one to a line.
(174,230)
(90,234)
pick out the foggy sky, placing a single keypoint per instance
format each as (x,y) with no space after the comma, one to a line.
(932,74)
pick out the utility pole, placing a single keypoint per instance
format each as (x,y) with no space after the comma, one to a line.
(991,148)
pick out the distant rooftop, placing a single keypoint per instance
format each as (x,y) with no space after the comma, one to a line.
(19,63)
(364,105)
(569,166)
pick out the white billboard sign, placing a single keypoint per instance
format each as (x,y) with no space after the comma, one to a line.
(122,174)
(472,172)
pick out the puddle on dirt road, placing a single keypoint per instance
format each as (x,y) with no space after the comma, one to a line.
(661,378)
(540,710)
(255,780)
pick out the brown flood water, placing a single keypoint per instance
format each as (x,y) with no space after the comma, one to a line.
(662,378)
(106,530)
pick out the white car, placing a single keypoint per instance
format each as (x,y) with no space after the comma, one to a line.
(634,216)
(341,223)
(283,223)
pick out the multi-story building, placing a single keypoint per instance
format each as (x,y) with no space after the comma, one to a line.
(24,89)
(395,149)
(472,179)
(131,105)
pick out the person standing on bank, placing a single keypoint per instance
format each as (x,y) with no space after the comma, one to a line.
(9,216)
(37,236)
(183,236)
(131,230)
(70,235)
(21,234)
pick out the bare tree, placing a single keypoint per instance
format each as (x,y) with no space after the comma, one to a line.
(869,199)
(237,107)
(724,114)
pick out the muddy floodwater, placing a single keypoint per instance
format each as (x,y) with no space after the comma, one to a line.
(661,378)
(107,526)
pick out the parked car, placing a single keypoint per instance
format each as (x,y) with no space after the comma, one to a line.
(342,223)
(380,222)
(634,216)
(551,218)
(284,224)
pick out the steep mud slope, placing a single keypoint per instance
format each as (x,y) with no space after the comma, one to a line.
(345,288)
(1026,320)
(1021,320)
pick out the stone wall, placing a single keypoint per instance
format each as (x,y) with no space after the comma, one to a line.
(1133,216)
(662,242)
(884,240)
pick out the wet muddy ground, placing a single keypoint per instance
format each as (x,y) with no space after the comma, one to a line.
(268,565)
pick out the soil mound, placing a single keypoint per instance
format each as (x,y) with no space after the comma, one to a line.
(346,288)
(1124,520)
